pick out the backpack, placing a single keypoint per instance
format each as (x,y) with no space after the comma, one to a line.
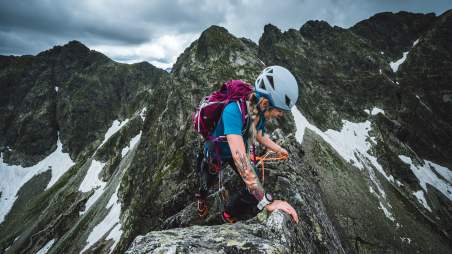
(209,111)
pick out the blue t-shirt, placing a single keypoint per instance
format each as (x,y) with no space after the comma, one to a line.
(231,123)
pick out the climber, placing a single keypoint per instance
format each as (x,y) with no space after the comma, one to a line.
(275,92)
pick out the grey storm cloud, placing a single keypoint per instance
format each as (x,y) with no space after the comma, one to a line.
(118,22)
(157,31)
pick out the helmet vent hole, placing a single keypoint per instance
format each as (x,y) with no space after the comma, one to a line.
(270,71)
(270,79)
(262,85)
(288,101)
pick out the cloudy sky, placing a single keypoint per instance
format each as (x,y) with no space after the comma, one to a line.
(157,31)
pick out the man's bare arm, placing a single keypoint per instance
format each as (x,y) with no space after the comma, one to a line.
(244,167)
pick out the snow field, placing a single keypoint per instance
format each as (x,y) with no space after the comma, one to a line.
(13,177)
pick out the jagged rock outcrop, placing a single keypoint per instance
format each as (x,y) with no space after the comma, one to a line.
(69,90)
(394,33)
(358,142)
(274,235)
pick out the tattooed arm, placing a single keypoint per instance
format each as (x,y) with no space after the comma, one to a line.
(250,178)
(244,167)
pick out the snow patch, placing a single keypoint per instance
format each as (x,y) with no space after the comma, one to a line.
(109,223)
(15,239)
(59,162)
(406,239)
(143,113)
(421,198)
(46,247)
(301,123)
(374,111)
(115,235)
(132,144)
(422,103)
(428,174)
(115,127)
(395,65)
(352,143)
(13,177)
(92,181)
(387,213)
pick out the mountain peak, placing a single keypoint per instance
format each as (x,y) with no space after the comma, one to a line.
(447,13)
(270,28)
(74,44)
(315,27)
(271,34)
(72,48)
(215,29)
(215,39)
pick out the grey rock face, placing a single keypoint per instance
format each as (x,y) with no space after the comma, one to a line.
(268,237)
(237,238)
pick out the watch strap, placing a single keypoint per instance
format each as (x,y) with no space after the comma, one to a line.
(263,203)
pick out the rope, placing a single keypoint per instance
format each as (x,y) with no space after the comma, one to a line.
(261,161)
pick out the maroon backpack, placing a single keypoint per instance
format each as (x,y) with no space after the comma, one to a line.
(211,107)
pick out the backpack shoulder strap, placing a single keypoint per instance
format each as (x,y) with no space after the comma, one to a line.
(245,116)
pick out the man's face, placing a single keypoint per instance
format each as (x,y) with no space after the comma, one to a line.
(273,113)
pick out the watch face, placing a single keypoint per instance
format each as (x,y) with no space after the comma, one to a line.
(269,197)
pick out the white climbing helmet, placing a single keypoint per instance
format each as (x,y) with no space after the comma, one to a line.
(277,84)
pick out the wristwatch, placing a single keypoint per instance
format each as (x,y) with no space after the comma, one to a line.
(265,201)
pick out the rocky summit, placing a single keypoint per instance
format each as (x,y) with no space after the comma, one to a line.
(99,157)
